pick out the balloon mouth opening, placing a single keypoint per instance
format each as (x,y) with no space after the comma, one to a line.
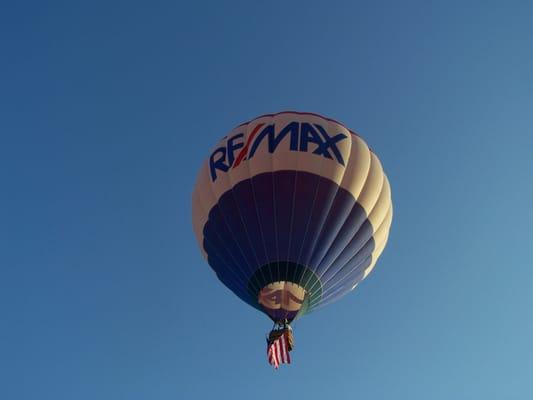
(282,300)
(284,290)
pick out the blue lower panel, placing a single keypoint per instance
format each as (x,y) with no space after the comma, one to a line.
(293,226)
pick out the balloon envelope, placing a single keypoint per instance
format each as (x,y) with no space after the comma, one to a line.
(291,211)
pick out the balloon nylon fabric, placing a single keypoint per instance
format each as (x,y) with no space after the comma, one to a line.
(291,211)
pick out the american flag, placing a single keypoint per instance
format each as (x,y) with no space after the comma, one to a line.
(278,351)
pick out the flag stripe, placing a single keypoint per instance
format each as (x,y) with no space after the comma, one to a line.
(278,351)
(282,348)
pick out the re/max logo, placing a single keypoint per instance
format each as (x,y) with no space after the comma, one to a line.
(300,134)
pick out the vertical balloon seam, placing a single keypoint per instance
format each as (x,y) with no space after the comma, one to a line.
(274,207)
(295,278)
(379,250)
(326,267)
(259,222)
(313,250)
(299,279)
(342,273)
(292,211)
(238,211)
(346,273)
(317,235)
(287,262)
(385,221)
(223,259)
(367,213)
(353,237)
(386,226)
(378,197)
(320,180)
(324,282)
(381,224)
(341,224)
(384,199)
(317,187)
(329,295)
(205,239)
(255,203)
(302,245)
(240,291)
(250,269)
(223,243)
(274,216)
(380,245)
(225,194)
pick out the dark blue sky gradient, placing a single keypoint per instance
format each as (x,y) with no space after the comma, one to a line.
(107,110)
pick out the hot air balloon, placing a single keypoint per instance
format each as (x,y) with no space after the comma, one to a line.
(291,211)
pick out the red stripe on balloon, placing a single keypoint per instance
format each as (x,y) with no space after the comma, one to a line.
(244,150)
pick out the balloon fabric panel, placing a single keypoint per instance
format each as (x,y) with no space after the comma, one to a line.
(291,211)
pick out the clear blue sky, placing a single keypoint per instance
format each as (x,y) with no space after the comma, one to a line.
(107,110)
